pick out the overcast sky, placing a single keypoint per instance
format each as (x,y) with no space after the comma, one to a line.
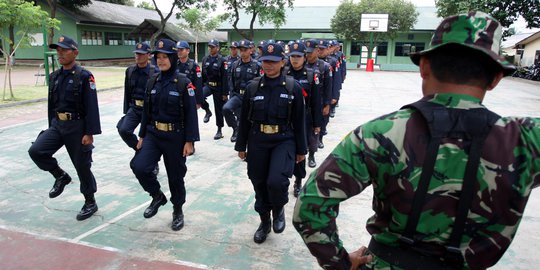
(519,25)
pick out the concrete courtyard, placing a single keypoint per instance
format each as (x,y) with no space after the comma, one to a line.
(38,233)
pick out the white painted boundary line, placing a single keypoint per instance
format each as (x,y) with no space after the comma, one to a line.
(123,215)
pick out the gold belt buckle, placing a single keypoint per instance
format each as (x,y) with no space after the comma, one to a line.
(64,116)
(212,83)
(139,102)
(161,126)
(269,129)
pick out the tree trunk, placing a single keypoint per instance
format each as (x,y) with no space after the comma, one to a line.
(251,32)
(5,77)
(10,86)
(50,35)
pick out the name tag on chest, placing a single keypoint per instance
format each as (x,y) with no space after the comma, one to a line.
(258,98)
(285,96)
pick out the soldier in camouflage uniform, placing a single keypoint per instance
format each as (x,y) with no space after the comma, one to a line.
(442,200)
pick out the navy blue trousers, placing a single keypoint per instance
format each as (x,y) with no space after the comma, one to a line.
(68,133)
(170,144)
(232,110)
(127,125)
(313,146)
(218,103)
(271,159)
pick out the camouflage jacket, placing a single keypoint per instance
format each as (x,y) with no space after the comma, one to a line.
(388,153)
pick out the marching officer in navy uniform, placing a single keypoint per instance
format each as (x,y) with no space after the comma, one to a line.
(169,127)
(309,80)
(191,69)
(73,116)
(233,57)
(333,60)
(215,81)
(242,72)
(325,70)
(272,129)
(137,75)
(254,53)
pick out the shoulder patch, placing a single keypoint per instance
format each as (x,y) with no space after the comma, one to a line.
(191,90)
(92,82)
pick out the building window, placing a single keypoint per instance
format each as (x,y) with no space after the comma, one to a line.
(129,40)
(382,49)
(113,39)
(356,48)
(406,48)
(91,38)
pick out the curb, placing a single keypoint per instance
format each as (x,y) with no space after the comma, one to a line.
(7,105)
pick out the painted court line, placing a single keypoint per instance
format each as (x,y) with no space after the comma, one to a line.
(123,215)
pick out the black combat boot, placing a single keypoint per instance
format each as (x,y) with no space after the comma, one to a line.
(89,207)
(278,217)
(158,200)
(296,187)
(264,228)
(218,134)
(177,218)
(62,179)
(234,135)
(321,144)
(311,160)
(207,116)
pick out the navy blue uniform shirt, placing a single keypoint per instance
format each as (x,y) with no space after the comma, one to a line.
(270,106)
(167,105)
(134,87)
(194,75)
(241,74)
(83,103)
(311,91)
(326,80)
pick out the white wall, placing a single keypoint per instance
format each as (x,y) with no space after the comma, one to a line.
(529,52)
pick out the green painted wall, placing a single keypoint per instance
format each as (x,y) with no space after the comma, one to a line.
(390,60)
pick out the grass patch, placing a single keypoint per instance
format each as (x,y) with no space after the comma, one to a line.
(105,78)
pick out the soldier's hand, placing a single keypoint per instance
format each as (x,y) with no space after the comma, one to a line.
(87,139)
(188,149)
(225,98)
(242,155)
(317,130)
(334,101)
(139,144)
(359,257)
(326,110)
(299,158)
(198,106)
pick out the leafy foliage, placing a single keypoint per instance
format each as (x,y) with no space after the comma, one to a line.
(267,11)
(199,21)
(505,11)
(146,5)
(26,19)
(402,16)
(120,2)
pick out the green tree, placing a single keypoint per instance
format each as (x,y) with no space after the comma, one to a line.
(181,5)
(505,11)
(402,16)
(199,21)
(26,18)
(267,11)
(146,5)
(120,2)
(70,4)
